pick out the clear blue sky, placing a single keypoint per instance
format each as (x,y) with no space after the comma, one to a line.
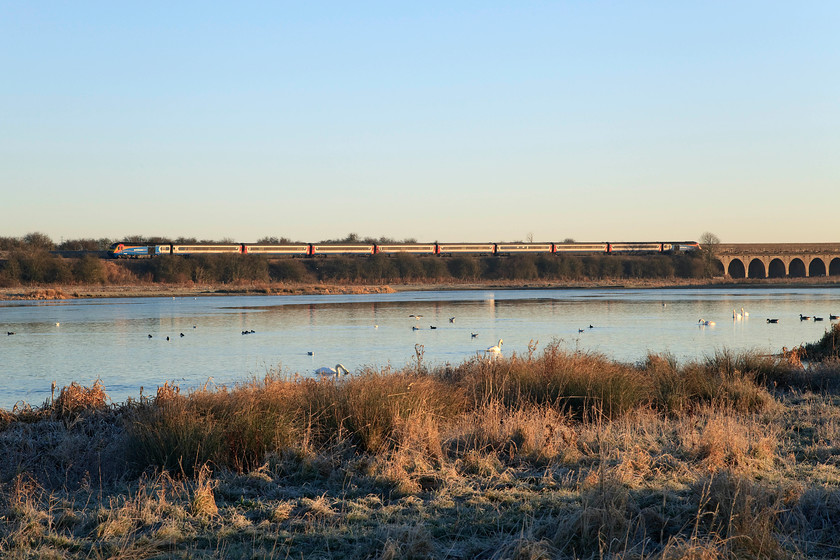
(473,121)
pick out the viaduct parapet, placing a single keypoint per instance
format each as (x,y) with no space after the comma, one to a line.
(778,260)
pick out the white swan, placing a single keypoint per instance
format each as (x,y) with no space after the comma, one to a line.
(744,314)
(736,315)
(495,350)
(335,372)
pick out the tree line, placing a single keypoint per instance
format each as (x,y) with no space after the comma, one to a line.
(28,261)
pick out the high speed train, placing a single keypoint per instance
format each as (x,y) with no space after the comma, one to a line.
(129,250)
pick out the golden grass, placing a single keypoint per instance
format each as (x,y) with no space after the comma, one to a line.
(550,455)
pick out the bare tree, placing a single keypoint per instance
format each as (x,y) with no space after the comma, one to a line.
(709,247)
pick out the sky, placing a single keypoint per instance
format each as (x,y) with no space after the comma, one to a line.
(439,121)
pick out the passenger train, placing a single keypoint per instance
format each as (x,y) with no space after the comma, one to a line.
(129,250)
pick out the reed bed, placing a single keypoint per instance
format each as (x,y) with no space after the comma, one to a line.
(552,454)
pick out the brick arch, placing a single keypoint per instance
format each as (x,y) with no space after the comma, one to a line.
(719,268)
(776,269)
(736,269)
(797,268)
(756,269)
(834,267)
(816,267)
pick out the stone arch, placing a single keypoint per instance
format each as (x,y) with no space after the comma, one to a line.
(719,269)
(817,267)
(736,269)
(797,269)
(776,269)
(756,269)
(834,267)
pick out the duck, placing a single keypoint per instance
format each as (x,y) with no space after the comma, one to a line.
(432,327)
(473,335)
(804,317)
(452,319)
(705,323)
(310,353)
(415,328)
(182,335)
(772,320)
(337,371)
(817,318)
(833,317)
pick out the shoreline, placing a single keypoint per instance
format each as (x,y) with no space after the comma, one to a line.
(64,292)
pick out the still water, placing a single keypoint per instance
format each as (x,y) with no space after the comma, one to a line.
(108,339)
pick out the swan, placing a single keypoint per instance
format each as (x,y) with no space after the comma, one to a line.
(495,349)
(337,371)
(735,315)
(744,314)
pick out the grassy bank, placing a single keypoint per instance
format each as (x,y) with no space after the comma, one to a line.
(553,454)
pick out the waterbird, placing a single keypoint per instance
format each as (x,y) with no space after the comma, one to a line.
(591,327)
(150,336)
(735,315)
(744,314)
(418,317)
(58,324)
(817,318)
(580,330)
(452,319)
(415,328)
(473,335)
(833,317)
(310,353)
(182,335)
(335,372)
(772,320)
(705,323)
(432,327)
(167,339)
(495,350)
(9,333)
(804,317)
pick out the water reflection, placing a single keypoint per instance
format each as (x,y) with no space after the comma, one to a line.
(108,339)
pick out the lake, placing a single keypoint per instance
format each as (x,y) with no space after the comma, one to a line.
(108,339)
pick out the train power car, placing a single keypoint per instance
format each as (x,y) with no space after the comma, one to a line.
(128,251)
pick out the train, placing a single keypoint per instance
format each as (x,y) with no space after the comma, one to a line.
(124,250)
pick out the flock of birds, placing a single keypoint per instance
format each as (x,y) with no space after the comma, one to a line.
(496,350)
(743,314)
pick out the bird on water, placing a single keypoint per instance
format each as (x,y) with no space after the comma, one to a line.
(337,371)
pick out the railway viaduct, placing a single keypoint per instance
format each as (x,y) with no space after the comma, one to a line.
(778,260)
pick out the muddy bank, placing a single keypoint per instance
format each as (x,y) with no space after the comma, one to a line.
(194,290)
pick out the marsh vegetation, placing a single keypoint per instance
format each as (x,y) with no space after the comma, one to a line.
(550,454)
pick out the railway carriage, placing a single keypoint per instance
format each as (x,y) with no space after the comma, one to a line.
(206,249)
(466,248)
(573,248)
(635,247)
(293,250)
(329,249)
(414,248)
(520,248)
